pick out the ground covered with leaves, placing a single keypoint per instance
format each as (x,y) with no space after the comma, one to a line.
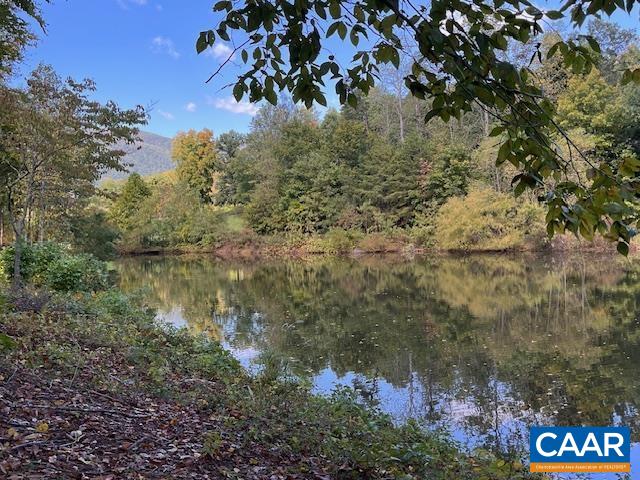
(92,387)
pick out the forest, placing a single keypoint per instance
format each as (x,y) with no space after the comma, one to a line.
(373,177)
(457,127)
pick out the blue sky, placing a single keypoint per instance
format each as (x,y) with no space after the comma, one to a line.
(142,52)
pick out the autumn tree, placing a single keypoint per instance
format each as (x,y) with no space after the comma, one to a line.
(196,158)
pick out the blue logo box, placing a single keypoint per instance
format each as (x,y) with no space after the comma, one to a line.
(580,449)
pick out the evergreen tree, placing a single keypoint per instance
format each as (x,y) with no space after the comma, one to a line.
(125,208)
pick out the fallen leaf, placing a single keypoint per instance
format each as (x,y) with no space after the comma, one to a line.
(42,427)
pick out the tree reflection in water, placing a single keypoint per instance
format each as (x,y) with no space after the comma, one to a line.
(484,346)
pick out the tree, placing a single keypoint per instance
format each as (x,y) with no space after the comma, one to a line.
(229,143)
(458,64)
(589,102)
(15,32)
(551,75)
(93,233)
(129,201)
(237,180)
(195,155)
(447,175)
(55,144)
(389,184)
(613,41)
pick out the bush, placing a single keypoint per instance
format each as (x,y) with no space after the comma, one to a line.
(76,273)
(52,265)
(489,220)
(380,243)
(35,260)
(335,241)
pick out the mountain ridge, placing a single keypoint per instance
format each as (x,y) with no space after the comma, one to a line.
(149,156)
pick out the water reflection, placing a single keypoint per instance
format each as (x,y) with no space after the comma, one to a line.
(485,346)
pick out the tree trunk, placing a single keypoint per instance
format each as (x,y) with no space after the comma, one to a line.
(485,121)
(41,214)
(401,119)
(17,262)
(28,230)
(18,223)
(388,122)
(18,233)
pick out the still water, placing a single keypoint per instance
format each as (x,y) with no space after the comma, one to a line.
(484,346)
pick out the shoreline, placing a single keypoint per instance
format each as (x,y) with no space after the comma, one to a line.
(258,251)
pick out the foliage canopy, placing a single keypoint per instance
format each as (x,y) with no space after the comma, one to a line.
(457,54)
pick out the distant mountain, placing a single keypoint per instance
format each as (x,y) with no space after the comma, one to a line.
(149,156)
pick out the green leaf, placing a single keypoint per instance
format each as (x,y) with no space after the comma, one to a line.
(485,95)
(334,9)
(623,248)
(554,15)
(7,342)
(593,43)
(500,41)
(342,30)
(238,91)
(504,151)
(333,28)
(202,43)
(320,98)
(270,96)
(319,8)
(223,5)
(496,131)
(354,38)
(520,188)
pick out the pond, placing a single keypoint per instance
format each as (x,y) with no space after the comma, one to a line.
(484,346)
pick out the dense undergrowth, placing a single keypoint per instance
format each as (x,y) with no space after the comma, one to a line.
(102,340)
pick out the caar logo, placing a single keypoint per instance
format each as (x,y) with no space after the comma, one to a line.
(580,449)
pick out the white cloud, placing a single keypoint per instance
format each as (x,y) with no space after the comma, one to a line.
(164,45)
(166,115)
(231,105)
(191,107)
(219,51)
(124,4)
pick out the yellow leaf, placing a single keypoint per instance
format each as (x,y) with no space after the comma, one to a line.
(13,433)
(42,427)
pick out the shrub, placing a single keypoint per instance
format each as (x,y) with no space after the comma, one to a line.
(76,273)
(488,220)
(335,241)
(35,260)
(52,265)
(379,243)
